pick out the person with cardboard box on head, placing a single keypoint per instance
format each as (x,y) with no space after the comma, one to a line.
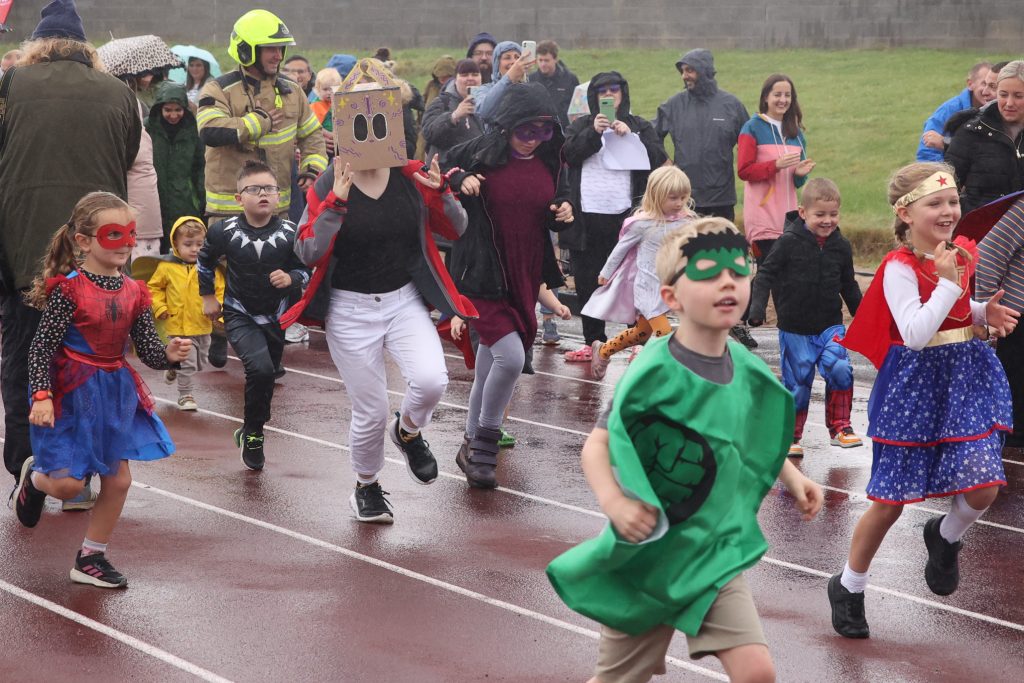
(368,230)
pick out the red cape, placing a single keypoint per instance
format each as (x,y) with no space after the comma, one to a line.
(436,222)
(977,223)
(873,330)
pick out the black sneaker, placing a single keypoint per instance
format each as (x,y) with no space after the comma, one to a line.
(741,334)
(418,459)
(279,371)
(942,570)
(218,353)
(250,444)
(370,505)
(847,610)
(30,500)
(96,570)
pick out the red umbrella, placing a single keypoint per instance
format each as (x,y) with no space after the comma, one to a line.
(977,223)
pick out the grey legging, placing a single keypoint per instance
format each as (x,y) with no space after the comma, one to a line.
(497,369)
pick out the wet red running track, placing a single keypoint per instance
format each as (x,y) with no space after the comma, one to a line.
(244,576)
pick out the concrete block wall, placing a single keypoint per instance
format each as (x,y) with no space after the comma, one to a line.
(990,25)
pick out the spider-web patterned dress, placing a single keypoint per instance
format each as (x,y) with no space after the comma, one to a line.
(103,411)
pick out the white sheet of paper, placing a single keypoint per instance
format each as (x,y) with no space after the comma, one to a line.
(624,152)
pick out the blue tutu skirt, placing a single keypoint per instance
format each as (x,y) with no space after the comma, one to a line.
(101,424)
(937,418)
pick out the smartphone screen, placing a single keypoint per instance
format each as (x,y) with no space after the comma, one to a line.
(608,108)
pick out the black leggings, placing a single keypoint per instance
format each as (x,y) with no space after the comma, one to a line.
(260,348)
(602,234)
(1010,352)
(19,323)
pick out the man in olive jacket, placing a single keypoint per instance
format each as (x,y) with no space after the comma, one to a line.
(69,129)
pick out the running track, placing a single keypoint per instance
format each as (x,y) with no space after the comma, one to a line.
(241,576)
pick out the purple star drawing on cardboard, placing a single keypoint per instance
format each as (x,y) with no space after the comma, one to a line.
(369,130)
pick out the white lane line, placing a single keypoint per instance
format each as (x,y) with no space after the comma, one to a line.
(130,641)
(523,494)
(522,420)
(913,598)
(408,573)
(447,404)
(861,497)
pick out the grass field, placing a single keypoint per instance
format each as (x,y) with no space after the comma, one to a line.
(863,109)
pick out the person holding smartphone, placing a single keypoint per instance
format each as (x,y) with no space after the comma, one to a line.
(605,196)
(451,118)
(511,65)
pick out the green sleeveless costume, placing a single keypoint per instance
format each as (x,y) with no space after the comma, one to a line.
(705,455)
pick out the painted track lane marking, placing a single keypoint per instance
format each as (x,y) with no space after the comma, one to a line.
(121,637)
(857,497)
(545,425)
(913,598)
(408,573)
(599,515)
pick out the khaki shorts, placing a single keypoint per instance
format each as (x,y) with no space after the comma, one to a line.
(732,621)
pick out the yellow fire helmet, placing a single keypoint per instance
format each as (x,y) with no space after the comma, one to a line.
(253,29)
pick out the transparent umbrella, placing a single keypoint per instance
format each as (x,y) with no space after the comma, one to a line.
(187,52)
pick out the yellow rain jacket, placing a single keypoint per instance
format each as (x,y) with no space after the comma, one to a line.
(174,285)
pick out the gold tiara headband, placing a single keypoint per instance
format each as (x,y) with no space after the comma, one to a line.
(936,182)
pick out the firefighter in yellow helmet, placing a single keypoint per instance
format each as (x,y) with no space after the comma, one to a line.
(255,113)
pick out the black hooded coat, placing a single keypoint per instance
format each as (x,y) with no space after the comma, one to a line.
(475,264)
(988,164)
(583,142)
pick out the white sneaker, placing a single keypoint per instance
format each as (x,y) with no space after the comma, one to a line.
(598,365)
(296,334)
(187,403)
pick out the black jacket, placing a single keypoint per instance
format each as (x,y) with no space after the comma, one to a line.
(560,85)
(439,131)
(988,164)
(583,142)
(805,280)
(475,265)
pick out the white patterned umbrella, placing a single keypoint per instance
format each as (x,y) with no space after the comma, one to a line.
(130,56)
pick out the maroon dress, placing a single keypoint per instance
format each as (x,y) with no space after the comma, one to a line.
(518,197)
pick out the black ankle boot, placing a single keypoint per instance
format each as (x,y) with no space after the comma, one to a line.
(479,459)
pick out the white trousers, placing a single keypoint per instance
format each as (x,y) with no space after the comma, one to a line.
(360,328)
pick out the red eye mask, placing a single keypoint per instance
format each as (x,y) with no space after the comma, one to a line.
(115,235)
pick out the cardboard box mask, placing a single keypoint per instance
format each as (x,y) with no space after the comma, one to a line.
(369,131)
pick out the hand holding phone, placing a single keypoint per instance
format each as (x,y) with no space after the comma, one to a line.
(607,105)
(529,53)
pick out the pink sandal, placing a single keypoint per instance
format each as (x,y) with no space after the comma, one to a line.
(580,355)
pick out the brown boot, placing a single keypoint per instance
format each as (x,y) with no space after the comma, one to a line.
(479,459)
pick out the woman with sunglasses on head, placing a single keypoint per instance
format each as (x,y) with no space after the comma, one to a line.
(605,196)
(513,194)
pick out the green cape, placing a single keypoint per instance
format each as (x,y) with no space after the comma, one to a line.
(705,455)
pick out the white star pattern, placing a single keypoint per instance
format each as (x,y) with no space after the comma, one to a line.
(954,391)
(283,233)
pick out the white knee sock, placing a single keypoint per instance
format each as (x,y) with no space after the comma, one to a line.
(960,517)
(855,582)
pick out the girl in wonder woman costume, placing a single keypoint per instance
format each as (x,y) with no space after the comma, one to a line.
(941,404)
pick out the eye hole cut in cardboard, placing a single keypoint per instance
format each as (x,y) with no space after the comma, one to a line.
(369,131)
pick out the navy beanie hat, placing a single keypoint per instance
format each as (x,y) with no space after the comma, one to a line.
(60,20)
